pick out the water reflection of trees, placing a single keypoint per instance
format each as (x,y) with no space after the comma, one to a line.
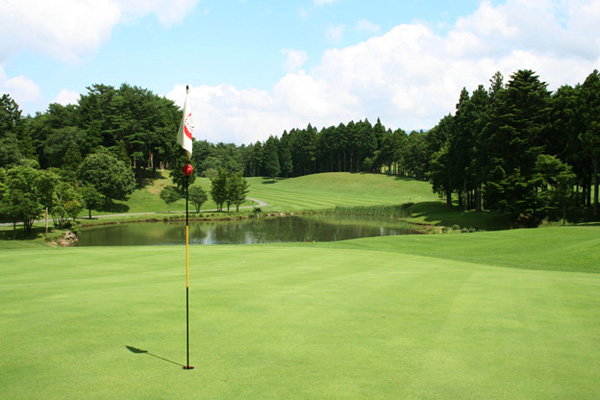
(270,230)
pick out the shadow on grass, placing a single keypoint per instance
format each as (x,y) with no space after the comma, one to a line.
(135,350)
(403,178)
(587,224)
(147,177)
(19,234)
(116,208)
(438,213)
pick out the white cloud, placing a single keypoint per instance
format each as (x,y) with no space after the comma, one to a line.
(335,33)
(294,59)
(365,25)
(412,75)
(62,28)
(487,21)
(168,12)
(20,88)
(225,114)
(69,29)
(65,97)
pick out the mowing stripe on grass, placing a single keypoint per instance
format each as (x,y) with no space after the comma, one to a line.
(293,322)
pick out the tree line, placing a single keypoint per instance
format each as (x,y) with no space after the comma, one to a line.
(519,148)
(515,147)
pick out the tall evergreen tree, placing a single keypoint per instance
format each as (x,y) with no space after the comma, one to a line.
(590,136)
(514,138)
(440,171)
(271,161)
(10,127)
(285,161)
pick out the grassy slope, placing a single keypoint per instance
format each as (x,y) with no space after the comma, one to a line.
(384,318)
(146,199)
(322,191)
(344,189)
(565,248)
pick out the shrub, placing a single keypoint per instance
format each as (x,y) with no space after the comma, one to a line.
(73,226)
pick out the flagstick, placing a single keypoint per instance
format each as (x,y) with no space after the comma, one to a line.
(184,138)
(187,170)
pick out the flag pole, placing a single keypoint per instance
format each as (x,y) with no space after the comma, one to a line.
(185,139)
(187,170)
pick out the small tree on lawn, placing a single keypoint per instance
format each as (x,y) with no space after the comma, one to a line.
(238,188)
(218,190)
(170,195)
(73,208)
(197,196)
(64,193)
(92,199)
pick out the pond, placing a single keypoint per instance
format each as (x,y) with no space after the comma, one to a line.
(319,228)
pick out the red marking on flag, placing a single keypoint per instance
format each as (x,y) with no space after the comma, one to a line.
(188,121)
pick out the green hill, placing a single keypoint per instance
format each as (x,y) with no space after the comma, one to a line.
(328,190)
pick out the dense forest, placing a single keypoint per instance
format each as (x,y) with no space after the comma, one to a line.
(513,146)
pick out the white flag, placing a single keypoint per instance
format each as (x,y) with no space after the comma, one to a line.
(184,136)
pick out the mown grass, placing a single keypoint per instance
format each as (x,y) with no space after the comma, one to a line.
(322,191)
(382,318)
(490,315)
(563,248)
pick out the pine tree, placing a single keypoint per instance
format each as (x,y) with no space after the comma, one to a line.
(272,163)
(514,136)
(590,137)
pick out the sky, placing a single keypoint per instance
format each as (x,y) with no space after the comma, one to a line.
(257,68)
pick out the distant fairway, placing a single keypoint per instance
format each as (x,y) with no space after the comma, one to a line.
(328,190)
(430,316)
(311,192)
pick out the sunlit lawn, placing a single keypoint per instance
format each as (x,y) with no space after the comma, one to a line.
(328,190)
(434,316)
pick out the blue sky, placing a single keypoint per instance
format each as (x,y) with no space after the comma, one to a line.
(258,67)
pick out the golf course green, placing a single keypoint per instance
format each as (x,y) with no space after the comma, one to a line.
(511,314)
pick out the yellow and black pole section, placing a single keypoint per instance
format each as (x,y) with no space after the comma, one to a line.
(187,170)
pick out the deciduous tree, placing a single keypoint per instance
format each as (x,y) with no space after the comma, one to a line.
(219,188)
(170,195)
(109,176)
(197,195)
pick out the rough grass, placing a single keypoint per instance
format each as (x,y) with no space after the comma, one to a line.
(147,199)
(437,213)
(371,318)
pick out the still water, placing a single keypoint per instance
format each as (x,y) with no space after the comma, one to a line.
(285,229)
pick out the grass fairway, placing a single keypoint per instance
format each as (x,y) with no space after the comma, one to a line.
(355,320)
(318,191)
